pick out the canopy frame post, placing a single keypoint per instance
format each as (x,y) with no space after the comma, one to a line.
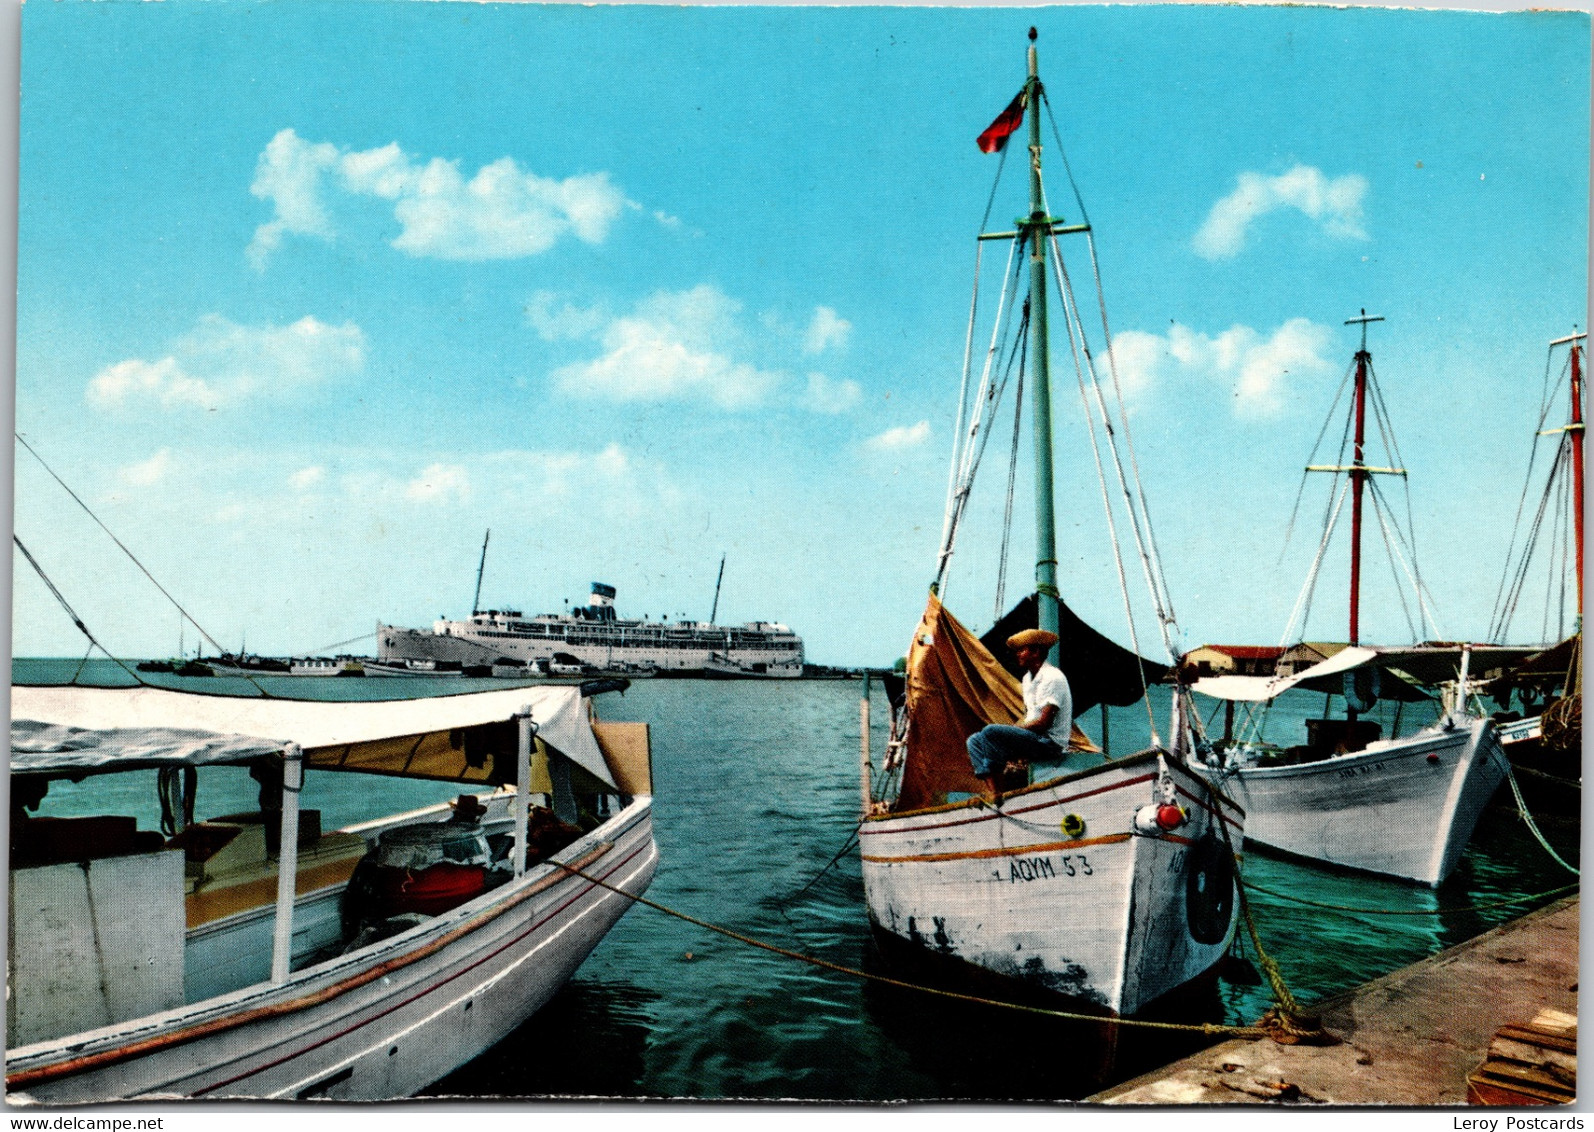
(287,861)
(528,731)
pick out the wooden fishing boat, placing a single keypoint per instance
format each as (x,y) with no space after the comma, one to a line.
(1399,806)
(254,955)
(1110,886)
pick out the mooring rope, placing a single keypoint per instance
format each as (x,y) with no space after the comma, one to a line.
(1285,1022)
(1212,1029)
(1411,911)
(1533,828)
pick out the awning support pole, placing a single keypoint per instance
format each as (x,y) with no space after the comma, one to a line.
(287,861)
(523,787)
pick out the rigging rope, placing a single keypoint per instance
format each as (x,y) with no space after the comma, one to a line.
(1210,1028)
(1289,529)
(1294,899)
(1106,498)
(963,451)
(72,613)
(1533,828)
(1303,603)
(133,557)
(1007,507)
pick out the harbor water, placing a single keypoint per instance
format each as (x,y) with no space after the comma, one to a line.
(756,791)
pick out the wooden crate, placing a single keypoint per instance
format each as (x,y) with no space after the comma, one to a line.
(1532,1064)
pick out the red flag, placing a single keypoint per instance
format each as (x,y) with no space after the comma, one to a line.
(1008,121)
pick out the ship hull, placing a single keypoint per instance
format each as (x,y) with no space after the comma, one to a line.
(1404,808)
(382,1022)
(1104,916)
(598,646)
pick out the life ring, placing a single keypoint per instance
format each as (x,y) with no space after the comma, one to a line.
(1209,890)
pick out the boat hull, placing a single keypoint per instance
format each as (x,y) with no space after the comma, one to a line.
(1404,808)
(380,1023)
(1108,917)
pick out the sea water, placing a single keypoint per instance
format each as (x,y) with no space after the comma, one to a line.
(756,792)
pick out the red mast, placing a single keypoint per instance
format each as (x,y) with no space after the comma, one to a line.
(1358,477)
(1576,429)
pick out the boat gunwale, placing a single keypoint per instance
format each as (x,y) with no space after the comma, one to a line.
(1412,744)
(978,803)
(345,972)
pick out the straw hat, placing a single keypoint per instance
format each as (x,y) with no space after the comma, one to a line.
(1038,637)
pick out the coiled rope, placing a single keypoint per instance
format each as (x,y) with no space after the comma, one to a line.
(1211,1029)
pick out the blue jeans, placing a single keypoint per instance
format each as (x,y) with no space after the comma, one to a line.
(992,746)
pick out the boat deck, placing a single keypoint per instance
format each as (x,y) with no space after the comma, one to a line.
(1409,1038)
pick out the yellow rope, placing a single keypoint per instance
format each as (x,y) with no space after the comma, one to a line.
(1285,1022)
(1411,911)
(1211,1029)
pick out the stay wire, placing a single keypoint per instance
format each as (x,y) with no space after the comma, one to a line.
(131,556)
(72,613)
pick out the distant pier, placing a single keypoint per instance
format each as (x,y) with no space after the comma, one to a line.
(1409,1038)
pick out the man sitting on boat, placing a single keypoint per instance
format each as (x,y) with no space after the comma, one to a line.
(1048,723)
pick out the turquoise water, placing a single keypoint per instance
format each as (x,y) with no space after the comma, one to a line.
(756,789)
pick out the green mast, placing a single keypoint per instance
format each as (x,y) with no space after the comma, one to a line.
(1037,227)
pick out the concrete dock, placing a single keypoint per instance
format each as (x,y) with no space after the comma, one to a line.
(1409,1038)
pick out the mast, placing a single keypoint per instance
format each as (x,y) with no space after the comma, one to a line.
(1358,476)
(1575,428)
(713,613)
(475,602)
(1038,227)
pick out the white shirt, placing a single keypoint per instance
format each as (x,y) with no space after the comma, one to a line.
(1050,686)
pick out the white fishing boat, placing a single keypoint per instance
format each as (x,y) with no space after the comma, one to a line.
(1404,806)
(1400,806)
(413,668)
(254,955)
(1112,886)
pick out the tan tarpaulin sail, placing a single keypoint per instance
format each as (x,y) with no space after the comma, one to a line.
(954,688)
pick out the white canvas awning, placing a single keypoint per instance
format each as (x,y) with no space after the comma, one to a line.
(70,729)
(1425,665)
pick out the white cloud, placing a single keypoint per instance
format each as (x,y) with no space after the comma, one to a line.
(567,321)
(828,395)
(900,437)
(288,173)
(1254,367)
(306,478)
(675,346)
(221,362)
(501,212)
(1335,203)
(147,472)
(826,330)
(438,483)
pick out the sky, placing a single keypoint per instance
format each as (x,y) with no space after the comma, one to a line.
(312,295)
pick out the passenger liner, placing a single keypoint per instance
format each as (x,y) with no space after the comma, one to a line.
(594,637)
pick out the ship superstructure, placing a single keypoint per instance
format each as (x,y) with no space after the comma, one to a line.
(594,636)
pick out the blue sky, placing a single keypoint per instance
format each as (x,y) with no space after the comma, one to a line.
(312,294)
